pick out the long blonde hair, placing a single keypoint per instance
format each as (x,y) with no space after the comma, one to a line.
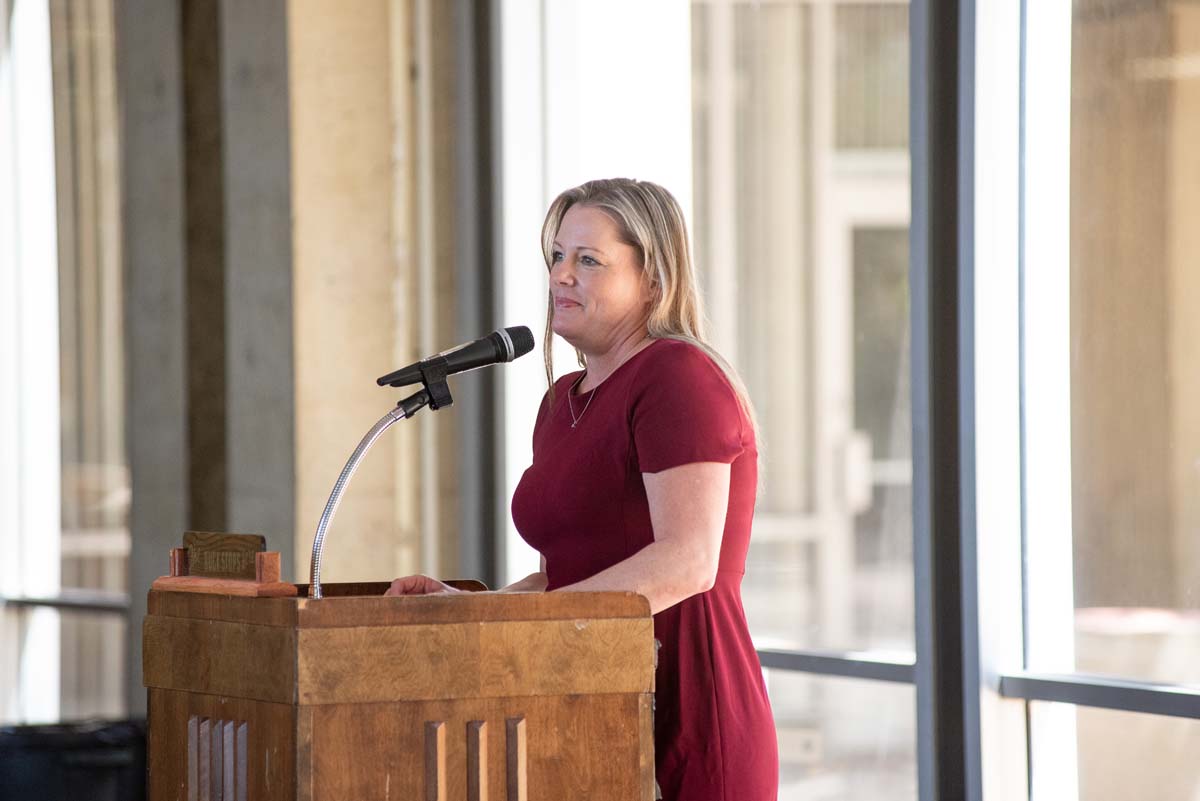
(650,220)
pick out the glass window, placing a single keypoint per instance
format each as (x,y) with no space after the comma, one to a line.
(843,739)
(1119,301)
(62,345)
(1114,756)
(871,94)
(801,197)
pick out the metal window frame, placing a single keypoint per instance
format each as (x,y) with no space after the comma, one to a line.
(846,664)
(73,600)
(1105,692)
(941,284)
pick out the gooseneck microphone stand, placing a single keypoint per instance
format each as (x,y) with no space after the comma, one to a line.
(435,393)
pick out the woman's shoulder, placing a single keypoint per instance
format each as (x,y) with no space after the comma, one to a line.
(679,360)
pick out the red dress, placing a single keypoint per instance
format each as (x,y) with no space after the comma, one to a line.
(582,505)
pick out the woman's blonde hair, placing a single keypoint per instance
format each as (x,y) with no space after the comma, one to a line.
(649,220)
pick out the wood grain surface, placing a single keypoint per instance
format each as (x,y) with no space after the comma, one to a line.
(373,609)
(582,748)
(223,586)
(516,762)
(483,606)
(270,752)
(477,760)
(261,611)
(470,660)
(221,555)
(527,697)
(229,659)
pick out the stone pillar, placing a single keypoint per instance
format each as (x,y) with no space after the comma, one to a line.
(149,80)
(355,289)
(208,271)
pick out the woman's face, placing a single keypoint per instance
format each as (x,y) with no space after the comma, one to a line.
(600,299)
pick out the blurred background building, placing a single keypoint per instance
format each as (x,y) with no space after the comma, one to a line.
(220,220)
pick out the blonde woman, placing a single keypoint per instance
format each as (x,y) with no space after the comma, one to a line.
(644,475)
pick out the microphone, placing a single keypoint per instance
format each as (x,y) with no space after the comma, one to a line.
(499,346)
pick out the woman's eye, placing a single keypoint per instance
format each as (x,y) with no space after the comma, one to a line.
(556,256)
(588,260)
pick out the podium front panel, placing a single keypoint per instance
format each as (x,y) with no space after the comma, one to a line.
(521,697)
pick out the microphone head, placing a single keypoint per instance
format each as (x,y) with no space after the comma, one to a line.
(522,340)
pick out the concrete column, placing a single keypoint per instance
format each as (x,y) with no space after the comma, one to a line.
(259,362)
(207,241)
(149,77)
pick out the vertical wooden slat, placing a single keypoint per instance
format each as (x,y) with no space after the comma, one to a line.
(241,784)
(193,759)
(435,761)
(179,562)
(216,765)
(204,762)
(229,760)
(477,783)
(516,750)
(266,567)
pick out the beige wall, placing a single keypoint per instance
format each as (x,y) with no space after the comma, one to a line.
(1184,288)
(1135,290)
(348,165)
(1136,376)
(1120,390)
(371,99)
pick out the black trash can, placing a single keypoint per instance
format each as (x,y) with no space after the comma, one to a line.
(90,761)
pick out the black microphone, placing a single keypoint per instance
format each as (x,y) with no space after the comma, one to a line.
(499,346)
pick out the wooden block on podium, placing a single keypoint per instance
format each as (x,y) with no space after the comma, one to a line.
(509,697)
(224,564)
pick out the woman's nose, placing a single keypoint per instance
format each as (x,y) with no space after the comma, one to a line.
(560,273)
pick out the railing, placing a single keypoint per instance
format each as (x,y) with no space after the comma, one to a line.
(92,610)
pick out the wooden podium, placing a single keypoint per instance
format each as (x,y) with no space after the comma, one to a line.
(484,697)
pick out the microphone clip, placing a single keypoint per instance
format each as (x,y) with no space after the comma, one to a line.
(434,392)
(433,378)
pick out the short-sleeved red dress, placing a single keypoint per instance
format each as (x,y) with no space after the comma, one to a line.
(582,505)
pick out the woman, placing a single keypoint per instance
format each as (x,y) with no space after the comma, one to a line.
(644,475)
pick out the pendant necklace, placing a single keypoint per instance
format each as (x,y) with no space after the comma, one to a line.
(571,406)
(575,420)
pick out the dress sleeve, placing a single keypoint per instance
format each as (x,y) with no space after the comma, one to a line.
(683,411)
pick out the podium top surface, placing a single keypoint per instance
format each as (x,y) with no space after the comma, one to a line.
(357,646)
(363,604)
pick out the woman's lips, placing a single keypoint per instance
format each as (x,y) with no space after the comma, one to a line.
(565,303)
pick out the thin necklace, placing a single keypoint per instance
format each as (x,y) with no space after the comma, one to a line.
(575,420)
(571,407)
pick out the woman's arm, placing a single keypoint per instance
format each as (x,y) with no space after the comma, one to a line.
(687,511)
(424,585)
(534,582)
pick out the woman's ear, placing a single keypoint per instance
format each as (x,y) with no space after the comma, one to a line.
(651,291)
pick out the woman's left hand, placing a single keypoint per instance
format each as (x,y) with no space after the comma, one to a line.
(420,585)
